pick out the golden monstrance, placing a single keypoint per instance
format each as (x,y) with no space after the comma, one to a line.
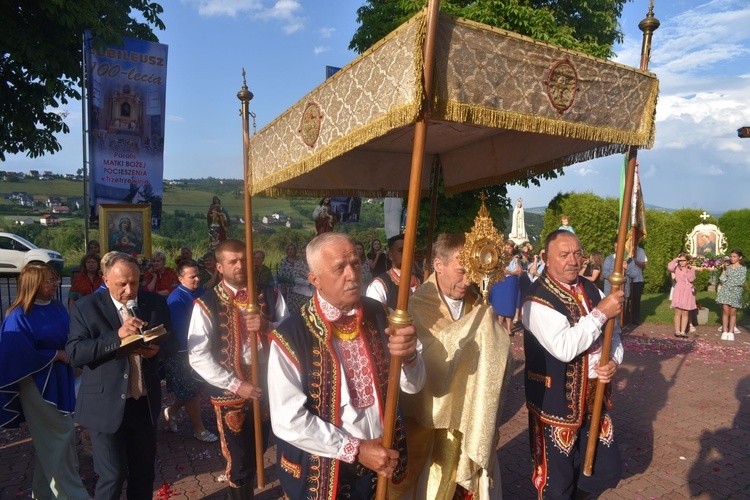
(483,256)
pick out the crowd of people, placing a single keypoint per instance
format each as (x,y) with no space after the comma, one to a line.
(323,343)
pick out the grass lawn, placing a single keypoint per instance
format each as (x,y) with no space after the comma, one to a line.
(655,309)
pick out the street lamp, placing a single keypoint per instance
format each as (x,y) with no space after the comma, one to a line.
(743,132)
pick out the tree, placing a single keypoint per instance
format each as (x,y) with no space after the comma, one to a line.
(588,26)
(41,64)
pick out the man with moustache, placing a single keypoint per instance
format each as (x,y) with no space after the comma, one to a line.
(119,399)
(451,424)
(328,374)
(219,340)
(563,319)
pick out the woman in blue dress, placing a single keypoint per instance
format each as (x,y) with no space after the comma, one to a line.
(505,296)
(36,381)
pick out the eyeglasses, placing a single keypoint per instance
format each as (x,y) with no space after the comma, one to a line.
(52,281)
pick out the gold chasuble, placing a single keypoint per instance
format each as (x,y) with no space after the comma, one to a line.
(452,421)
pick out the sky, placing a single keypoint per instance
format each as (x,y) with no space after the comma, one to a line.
(700,53)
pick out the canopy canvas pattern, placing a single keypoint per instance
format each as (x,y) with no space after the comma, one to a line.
(504,106)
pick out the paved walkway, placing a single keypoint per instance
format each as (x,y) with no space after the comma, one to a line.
(682,416)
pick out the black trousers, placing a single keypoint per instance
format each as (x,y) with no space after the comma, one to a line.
(559,454)
(237,434)
(129,453)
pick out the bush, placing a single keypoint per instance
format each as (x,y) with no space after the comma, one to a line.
(702,279)
(594,219)
(734,224)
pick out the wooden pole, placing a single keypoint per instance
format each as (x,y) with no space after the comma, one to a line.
(400,317)
(244,95)
(648,26)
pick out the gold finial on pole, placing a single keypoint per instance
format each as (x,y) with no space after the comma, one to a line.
(245,96)
(648,26)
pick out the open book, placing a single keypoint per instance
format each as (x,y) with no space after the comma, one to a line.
(154,335)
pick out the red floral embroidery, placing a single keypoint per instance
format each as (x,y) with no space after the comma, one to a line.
(359,373)
(350,450)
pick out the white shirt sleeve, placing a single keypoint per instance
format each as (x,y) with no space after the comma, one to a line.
(377,291)
(293,423)
(290,420)
(565,342)
(414,375)
(199,349)
(553,331)
(281,311)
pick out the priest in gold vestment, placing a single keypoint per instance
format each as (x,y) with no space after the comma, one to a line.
(451,425)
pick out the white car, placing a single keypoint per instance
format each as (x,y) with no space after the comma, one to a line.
(16,252)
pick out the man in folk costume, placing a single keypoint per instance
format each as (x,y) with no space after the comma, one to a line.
(451,425)
(563,319)
(384,288)
(219,339)
(328,374)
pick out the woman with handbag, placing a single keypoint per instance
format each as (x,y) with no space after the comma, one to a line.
(683,296)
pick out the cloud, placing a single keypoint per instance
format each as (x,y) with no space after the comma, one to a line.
(320,49)
(585,171)
(714,170)
(284,11)
(224,7)
(326,32)
(174,118)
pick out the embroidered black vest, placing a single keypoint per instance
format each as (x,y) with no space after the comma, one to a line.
(226,348)
(391,290)
(556,391)
(307,342)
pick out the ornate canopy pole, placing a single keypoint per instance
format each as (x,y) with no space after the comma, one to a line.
(400,317)
(245,96)
(648,26)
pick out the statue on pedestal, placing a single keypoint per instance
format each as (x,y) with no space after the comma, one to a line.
(218,223)
(518,226)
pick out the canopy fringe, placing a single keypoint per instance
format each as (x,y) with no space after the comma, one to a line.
(500,119)
(398,117)
(606,150)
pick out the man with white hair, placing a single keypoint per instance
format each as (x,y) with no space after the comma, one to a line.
(327,376)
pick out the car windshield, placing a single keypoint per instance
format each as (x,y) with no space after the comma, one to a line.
(25,242)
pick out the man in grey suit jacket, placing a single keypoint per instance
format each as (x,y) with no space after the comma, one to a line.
(119,399)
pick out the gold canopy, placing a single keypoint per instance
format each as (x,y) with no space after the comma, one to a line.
(504,106)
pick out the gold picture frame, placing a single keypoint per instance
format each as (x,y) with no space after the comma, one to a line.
(125,228)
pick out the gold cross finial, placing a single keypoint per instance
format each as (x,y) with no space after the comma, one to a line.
(482,196)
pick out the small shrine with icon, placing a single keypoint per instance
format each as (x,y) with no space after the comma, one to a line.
(705,240)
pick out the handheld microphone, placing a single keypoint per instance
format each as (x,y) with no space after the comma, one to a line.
(132,307)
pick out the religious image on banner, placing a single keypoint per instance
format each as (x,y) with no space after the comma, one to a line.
(346,209)
(126,110)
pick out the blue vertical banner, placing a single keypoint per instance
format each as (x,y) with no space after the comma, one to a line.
(127,89)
